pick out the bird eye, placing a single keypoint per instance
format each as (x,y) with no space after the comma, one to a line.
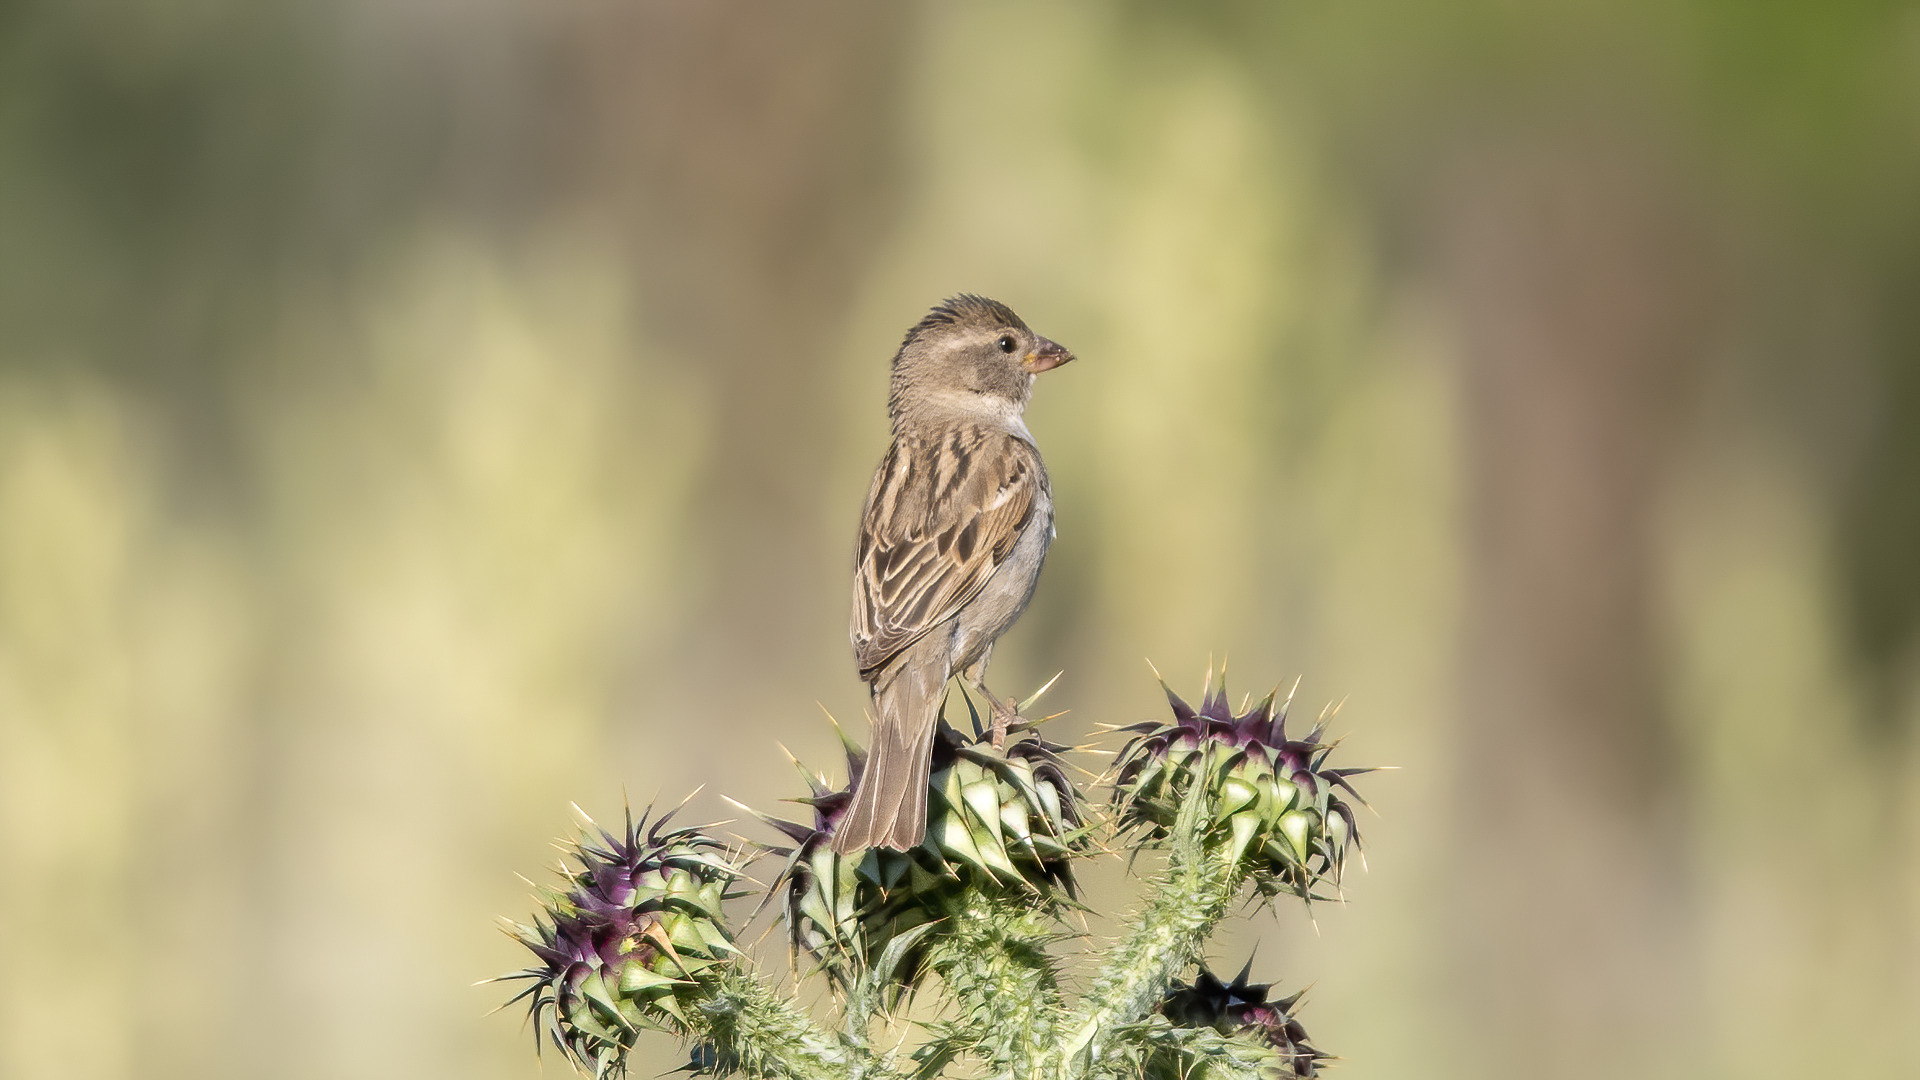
(1006,343)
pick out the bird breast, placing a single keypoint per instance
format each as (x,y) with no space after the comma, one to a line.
(1007,592)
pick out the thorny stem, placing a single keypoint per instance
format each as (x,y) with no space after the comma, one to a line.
(994,962)
(746,1026)
(1191,897)
(863,1000)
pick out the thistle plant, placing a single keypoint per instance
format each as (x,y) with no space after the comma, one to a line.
(967,935)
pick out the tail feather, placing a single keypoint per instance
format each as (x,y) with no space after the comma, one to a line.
(890,801)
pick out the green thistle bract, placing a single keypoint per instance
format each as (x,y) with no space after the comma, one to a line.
(1004,821)
(627,943)
(1270,799)
(1242,1008)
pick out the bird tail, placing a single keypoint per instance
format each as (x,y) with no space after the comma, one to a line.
(890,801)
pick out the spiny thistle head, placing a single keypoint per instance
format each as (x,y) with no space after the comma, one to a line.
(626,943)
(1004,820)
(1268,798)
(1242,1008)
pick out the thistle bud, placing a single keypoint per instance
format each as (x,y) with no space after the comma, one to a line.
(1267,799)
(628,942)
(1003,820)
(1242,1008)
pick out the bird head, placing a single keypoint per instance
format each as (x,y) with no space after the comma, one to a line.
(968,357)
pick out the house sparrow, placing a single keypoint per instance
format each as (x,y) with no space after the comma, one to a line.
(957,522)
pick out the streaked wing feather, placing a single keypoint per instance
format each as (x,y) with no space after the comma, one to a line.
(941,517)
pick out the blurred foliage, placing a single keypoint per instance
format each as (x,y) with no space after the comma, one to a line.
(416,415)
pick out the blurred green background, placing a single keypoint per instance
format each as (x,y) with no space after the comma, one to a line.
(415,415)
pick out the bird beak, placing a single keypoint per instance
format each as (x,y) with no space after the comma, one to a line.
(1046,356)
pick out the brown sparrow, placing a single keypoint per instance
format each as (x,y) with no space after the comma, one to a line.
(956,525)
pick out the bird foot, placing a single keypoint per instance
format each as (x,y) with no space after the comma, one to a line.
(1004,714)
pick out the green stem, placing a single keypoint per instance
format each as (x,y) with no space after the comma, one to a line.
(1192,896)
(863,1000)
(749,1028)
(993,960)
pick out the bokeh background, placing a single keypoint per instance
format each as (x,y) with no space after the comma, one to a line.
(418,415)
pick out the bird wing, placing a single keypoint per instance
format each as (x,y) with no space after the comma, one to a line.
(942,515)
